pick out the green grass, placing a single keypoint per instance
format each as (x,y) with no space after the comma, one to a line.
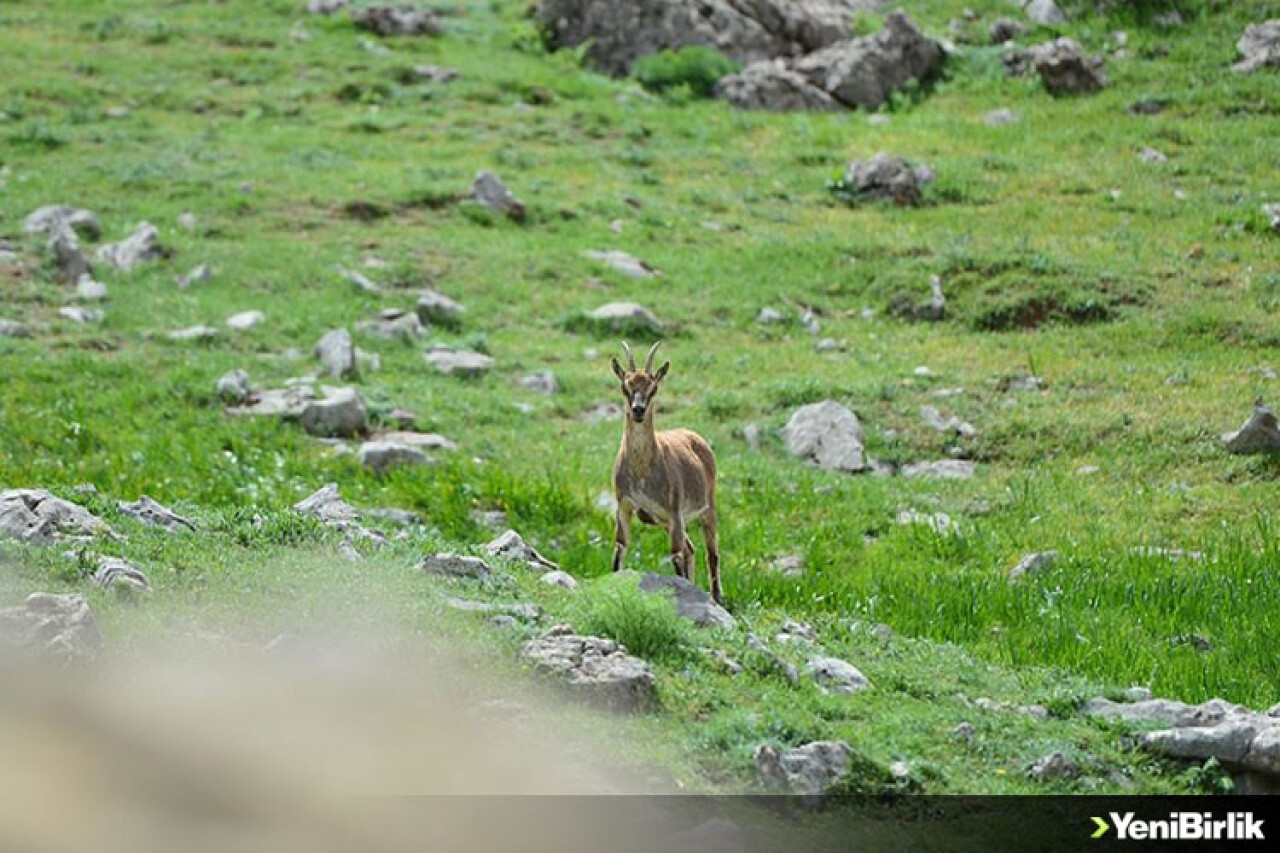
(1061,253)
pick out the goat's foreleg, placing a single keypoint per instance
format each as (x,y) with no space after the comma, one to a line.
(621,533)
(678,541)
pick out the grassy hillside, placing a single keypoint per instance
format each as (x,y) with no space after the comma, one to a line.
(1143,294)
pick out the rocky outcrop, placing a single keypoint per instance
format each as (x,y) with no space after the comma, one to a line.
(57,626)
(37,517)
(618,32)
(858,73)
(593,669)
(810,770)
(1259,47)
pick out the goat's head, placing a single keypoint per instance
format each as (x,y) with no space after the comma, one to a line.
(639,387)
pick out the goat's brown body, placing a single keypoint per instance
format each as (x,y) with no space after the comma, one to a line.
(667,479)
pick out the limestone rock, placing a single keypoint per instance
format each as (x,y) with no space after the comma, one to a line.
(58,626)
(454,565)
(340,413)
(140,247)
(147,511)
(511,546)
(327,504)
(810,770)
(1032,564)
(114,573)
(886,178)
(837,676)
(691,602)
(1259,434)
(37,517)
(458,362)
(594,669)
(827,434)
(628,265)
(489,190)
(53,217)
(397,20)
(434,307)
(337,354)
(1259,47)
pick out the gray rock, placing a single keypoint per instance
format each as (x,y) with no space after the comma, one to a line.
(886,178)
(424,441)
(381,455)
(519,610)
(435,73)
(490,519)
(1272,212)
(199,275)
(187,221)
(1259,434)
(340,413)
(393,324)
(1166,712)
(58,626)
(564,580)
(1151,155)
(939,522)
(691,601)
(617,32)
(397,20)
(360,280)
(455,566)
(834,675)
(933,418)
(593,669)
(193,333)
(81,315)
(788,565)
(489,190)
(54,217)
(1137,694)
(964,731)
(1032,564)
(325,7)
(114,573)
(458,362)
(278,402)
(751,434)
(543,382)
(1005,29)
(70,262)
(1045,13)
(140,247)
(1259,47)
(327,505)
(1064,71)
(793,630)
(245,320)
(1001,118)
(828,435)
(149,512)
(337,354)
(772,661)
(770,316)
(617,316)
(772,84)
(943,469)
(1055,765)
(13,329)
(234,387)
(511,546)
(809,771)
(434,307)
(628,265)
(36,517)
(88,290)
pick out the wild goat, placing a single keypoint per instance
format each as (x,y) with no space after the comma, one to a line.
(666,478)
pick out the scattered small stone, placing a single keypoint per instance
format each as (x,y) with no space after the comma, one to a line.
(828,435)
(830,345)
(769,316)
(834,675)
(932,311)
(1022,383)
(193,333)
(142,246)
(1001,118)
(1259,434)
(564,580)
(118,574)
(595,669)
(933,418)
(70,262)
(511,546)
(245,320)
(617,316)
(1053,766)
(772,661)
(381,455)
(393,324)
(788,565)
(1272,212)
(458,362)
(888,178)
(1064,71)
(13,329)
(1148,106)
(325,7)
(53,218)
(327,505)
(518,610)
(434,307)
(939,522)
(360,280)
(147,511)
(89,290)
(724,663)
(77,314)
(187,221)
(489,190)
(340,413)
(455,565)
(199,275)
(435,73)
(691,601)
(337,354)
(793,630)
(543,382)
(234,387)
(397,20)
(1033,564)
(1005,29)
(624,263)
(943,469)
(1151,155)
(965,732)
(1045,12)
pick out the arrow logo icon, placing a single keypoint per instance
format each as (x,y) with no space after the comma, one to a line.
(1102,828)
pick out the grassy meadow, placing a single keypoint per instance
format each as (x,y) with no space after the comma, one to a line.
(1144,295)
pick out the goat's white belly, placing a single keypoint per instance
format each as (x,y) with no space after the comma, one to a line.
(660,514)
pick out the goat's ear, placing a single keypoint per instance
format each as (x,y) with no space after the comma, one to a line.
(617,368)
(662,371)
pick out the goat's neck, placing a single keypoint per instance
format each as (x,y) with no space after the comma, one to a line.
(639,443)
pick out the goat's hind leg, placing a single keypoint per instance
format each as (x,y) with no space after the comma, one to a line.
(713,552)
(621,533)
(679,544)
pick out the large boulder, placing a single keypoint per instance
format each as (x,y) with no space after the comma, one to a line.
(618,32)
(340,413)
(862,72)
(691,601)
(59,626)
(827,434)
(1260,47)
(37,517)
(594,669)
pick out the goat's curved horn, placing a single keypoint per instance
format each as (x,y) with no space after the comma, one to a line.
(631,359)
(648,361)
